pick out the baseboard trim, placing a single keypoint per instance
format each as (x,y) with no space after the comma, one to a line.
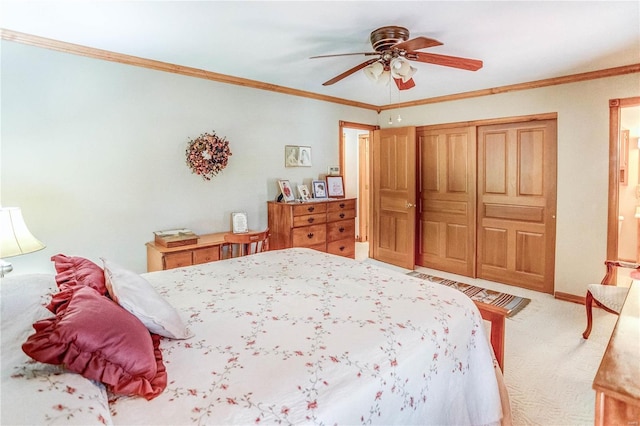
(569,297)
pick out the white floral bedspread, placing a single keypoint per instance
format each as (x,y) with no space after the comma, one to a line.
(301,337)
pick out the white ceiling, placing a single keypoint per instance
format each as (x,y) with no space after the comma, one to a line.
(271,41)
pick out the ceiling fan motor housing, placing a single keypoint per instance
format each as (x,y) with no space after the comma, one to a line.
(385,37)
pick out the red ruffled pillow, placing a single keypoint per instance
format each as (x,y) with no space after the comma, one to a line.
(73,273)
(97,338)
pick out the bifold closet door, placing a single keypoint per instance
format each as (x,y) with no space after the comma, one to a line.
(447,200)
(517,204)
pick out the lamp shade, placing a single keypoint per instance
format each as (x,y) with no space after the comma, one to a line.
(384,78)
(15,237)
(402,69)
(376,72)
(373,71)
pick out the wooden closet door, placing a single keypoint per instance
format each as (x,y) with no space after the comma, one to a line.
(517,204)
(393,175)
(447,195)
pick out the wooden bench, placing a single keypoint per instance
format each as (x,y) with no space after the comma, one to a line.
(496,316)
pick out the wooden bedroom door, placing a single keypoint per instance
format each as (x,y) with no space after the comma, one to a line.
(517,204)
(393,174)
(447,200)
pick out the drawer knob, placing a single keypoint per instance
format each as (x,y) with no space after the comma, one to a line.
(342,205)
(341,229)
(341,215)
(310,209)
(342,248)
(310,220)
(310,235)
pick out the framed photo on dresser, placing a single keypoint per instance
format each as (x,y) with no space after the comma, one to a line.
(239,223)
(303,190)
(319,189)
(335,186)
(286,190)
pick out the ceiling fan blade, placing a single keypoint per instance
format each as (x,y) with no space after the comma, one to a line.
(417,43)
(345,54)
(404,85)
(349,72)
(447,61)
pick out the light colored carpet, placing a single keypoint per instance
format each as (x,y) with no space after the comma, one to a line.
(549,368)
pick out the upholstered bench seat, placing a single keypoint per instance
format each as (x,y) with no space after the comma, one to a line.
(607,294)
(610,296)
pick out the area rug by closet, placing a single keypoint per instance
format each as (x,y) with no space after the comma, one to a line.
(511,304)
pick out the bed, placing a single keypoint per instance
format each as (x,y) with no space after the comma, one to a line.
(292,336)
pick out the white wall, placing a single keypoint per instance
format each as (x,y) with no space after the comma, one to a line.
(583,161)
(94,152)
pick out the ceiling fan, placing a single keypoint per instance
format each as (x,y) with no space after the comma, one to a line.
(393,50)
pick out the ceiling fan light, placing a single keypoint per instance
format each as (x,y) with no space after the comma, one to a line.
(410,74)
(374,71)
(398,64)
(401,68)
(384,78)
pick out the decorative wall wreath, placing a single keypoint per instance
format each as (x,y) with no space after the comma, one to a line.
(207,155)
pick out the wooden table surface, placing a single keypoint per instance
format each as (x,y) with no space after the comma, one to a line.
(617,382)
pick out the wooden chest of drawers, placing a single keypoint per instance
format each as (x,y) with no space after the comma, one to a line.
(327,225)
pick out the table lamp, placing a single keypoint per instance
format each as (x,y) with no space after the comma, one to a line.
(15,237)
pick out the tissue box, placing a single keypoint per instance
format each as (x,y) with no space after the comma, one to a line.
(175,237)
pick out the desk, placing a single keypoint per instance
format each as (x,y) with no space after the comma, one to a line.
(207,249)
(617,382)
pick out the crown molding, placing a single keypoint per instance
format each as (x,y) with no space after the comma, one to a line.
(76,49)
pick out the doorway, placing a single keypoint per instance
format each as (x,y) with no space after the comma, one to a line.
(393,183)
(354,153)
(623,232)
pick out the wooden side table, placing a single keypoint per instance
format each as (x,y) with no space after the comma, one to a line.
(617,382)
(207,249)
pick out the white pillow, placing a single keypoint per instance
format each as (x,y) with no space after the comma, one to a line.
(137,296)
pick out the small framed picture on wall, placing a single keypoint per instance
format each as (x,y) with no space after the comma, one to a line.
(297,156)
(291,155)
(335,187)
(305,156)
